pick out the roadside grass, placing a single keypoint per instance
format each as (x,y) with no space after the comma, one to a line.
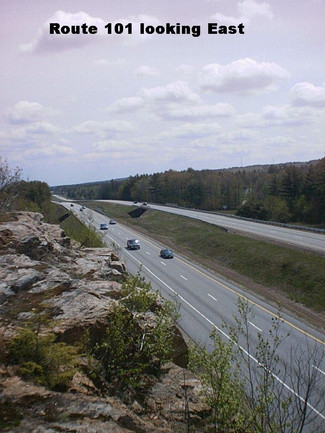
(298,274)
(72,226)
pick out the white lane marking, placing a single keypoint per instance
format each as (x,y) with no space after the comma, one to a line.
(224,334)
(163,263)
(256,327)
(183,277)
(147,252)
(318,369)
(213,297)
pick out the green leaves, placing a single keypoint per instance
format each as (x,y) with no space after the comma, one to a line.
(42,359)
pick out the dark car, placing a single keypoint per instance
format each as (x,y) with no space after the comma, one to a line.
(133,244)
(112,221)
(166,253)
(103,226)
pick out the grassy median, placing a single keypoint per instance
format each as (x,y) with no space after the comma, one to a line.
(298,274)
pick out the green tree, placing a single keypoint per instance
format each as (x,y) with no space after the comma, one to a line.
(222,389)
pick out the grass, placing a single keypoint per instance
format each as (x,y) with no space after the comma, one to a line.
(298,274)
(72,226)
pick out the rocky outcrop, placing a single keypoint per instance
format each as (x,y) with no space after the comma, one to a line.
(39,264)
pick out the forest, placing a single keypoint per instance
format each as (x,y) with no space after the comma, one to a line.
(287,193)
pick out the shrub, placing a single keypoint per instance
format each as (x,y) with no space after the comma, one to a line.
(42,359)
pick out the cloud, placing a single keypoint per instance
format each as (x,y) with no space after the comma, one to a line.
(279,141)
(247,10)
(50,150)
(286,115)
(44,42)
(306,94)
(42,128)
(103,129)
(192,131)
(242,76)
(25,112)
(112,145)
(127,105)
(146,71)
(175,101)
(197,112)
(176,92)
(277,115)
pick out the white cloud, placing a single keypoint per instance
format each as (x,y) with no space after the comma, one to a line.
(277,115)
(279,141)
(146,71)
(127,105)
(50,150)
(307,94)
(192,131)
(112,145)
(177,92)
(242,76)
(286,115)
(197,112)
(103,129)
(25,112)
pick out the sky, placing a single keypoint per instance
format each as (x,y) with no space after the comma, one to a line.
(94,106)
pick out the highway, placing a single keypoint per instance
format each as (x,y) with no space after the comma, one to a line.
(206,300)
(300,238)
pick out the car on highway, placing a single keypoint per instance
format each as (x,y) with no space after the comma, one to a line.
(112,221)
(166,253)
(133,244)
(103,226)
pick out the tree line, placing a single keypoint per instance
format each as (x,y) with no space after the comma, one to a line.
(282,193)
